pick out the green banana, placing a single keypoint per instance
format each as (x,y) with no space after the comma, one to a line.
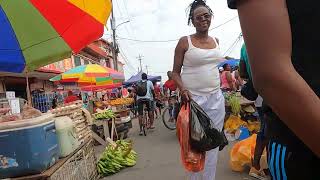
(113,159)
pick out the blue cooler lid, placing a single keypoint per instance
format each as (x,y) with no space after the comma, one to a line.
(27,123)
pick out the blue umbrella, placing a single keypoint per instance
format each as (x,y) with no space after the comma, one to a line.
(232,62)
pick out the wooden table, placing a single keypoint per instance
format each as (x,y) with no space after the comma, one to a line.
(105,125)
(106,132)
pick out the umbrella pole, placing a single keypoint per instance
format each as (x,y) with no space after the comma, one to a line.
(28,90)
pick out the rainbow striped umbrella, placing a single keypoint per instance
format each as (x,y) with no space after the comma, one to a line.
(91,74)
(34,33)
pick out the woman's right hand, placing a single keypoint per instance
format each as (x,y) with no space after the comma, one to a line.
(185,96)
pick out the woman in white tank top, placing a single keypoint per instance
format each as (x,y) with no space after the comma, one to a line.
(196,73)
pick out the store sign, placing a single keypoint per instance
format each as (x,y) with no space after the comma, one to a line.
(67,64)
(50,68)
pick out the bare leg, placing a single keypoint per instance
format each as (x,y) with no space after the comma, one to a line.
(151,117)
(155,111)
(140,122)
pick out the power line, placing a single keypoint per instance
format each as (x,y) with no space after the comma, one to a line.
(147,41)
(216,27)
(127,12)
(231,48)
(233,45)
(171,40)
(119,8)
(125,58)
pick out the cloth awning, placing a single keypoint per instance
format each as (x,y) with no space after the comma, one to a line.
(136,78)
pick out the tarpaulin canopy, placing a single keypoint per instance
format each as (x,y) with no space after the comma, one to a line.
(34,33)
(232,62)
(136,78)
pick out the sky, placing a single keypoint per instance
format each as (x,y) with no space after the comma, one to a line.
(166,20)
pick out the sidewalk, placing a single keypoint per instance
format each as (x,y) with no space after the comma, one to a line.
(159,158)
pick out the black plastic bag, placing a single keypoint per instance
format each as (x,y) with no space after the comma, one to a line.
(203,135)
(248,91)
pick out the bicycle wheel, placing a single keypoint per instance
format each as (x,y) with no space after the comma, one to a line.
(168,123)
(144,126)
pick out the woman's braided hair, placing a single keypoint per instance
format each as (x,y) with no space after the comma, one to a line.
(193,6)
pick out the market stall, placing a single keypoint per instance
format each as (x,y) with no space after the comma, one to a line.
(54,145)
(115,120)
(47,144)
(242,125)
(240,120)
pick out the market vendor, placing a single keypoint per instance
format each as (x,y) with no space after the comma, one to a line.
(71,98)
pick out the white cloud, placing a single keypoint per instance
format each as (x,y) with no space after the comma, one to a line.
(159,20)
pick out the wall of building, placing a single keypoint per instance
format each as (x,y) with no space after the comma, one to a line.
(2,86)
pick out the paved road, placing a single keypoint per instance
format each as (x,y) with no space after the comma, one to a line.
(159,158)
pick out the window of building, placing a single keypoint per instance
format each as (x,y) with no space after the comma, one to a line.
(77,61)
(108,63)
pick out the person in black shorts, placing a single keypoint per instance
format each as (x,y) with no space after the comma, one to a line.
(282,38)
(147,99)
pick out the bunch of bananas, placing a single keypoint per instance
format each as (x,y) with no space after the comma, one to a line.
(107,114)
(121,101)
(116,158)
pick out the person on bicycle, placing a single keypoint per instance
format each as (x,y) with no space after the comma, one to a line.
(171,87)
(157,99)
(170,84)
(145,94)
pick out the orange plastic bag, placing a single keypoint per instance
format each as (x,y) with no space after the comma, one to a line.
(192,161)
(242,153)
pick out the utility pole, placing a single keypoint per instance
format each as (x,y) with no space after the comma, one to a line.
(147,69)
(140,60)
(113,27)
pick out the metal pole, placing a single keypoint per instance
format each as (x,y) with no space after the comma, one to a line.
(28,90)
(140,59)
(113,27)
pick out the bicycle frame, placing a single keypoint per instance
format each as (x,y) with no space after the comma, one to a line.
(145,119)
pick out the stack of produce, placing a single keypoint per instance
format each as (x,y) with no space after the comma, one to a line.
(234,101)
(121,101)
(117,157)
(80,116)
(106,114)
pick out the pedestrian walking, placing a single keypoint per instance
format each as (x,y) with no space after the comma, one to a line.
(196,74)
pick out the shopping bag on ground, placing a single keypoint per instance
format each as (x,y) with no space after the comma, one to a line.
(191,160)
(242,154)
(203,135)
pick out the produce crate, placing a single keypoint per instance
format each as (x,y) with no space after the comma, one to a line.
(81,166)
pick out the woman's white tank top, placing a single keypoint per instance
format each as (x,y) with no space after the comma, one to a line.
(200,74)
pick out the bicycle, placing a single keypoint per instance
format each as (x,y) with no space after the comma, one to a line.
(169,115)
(145,120)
